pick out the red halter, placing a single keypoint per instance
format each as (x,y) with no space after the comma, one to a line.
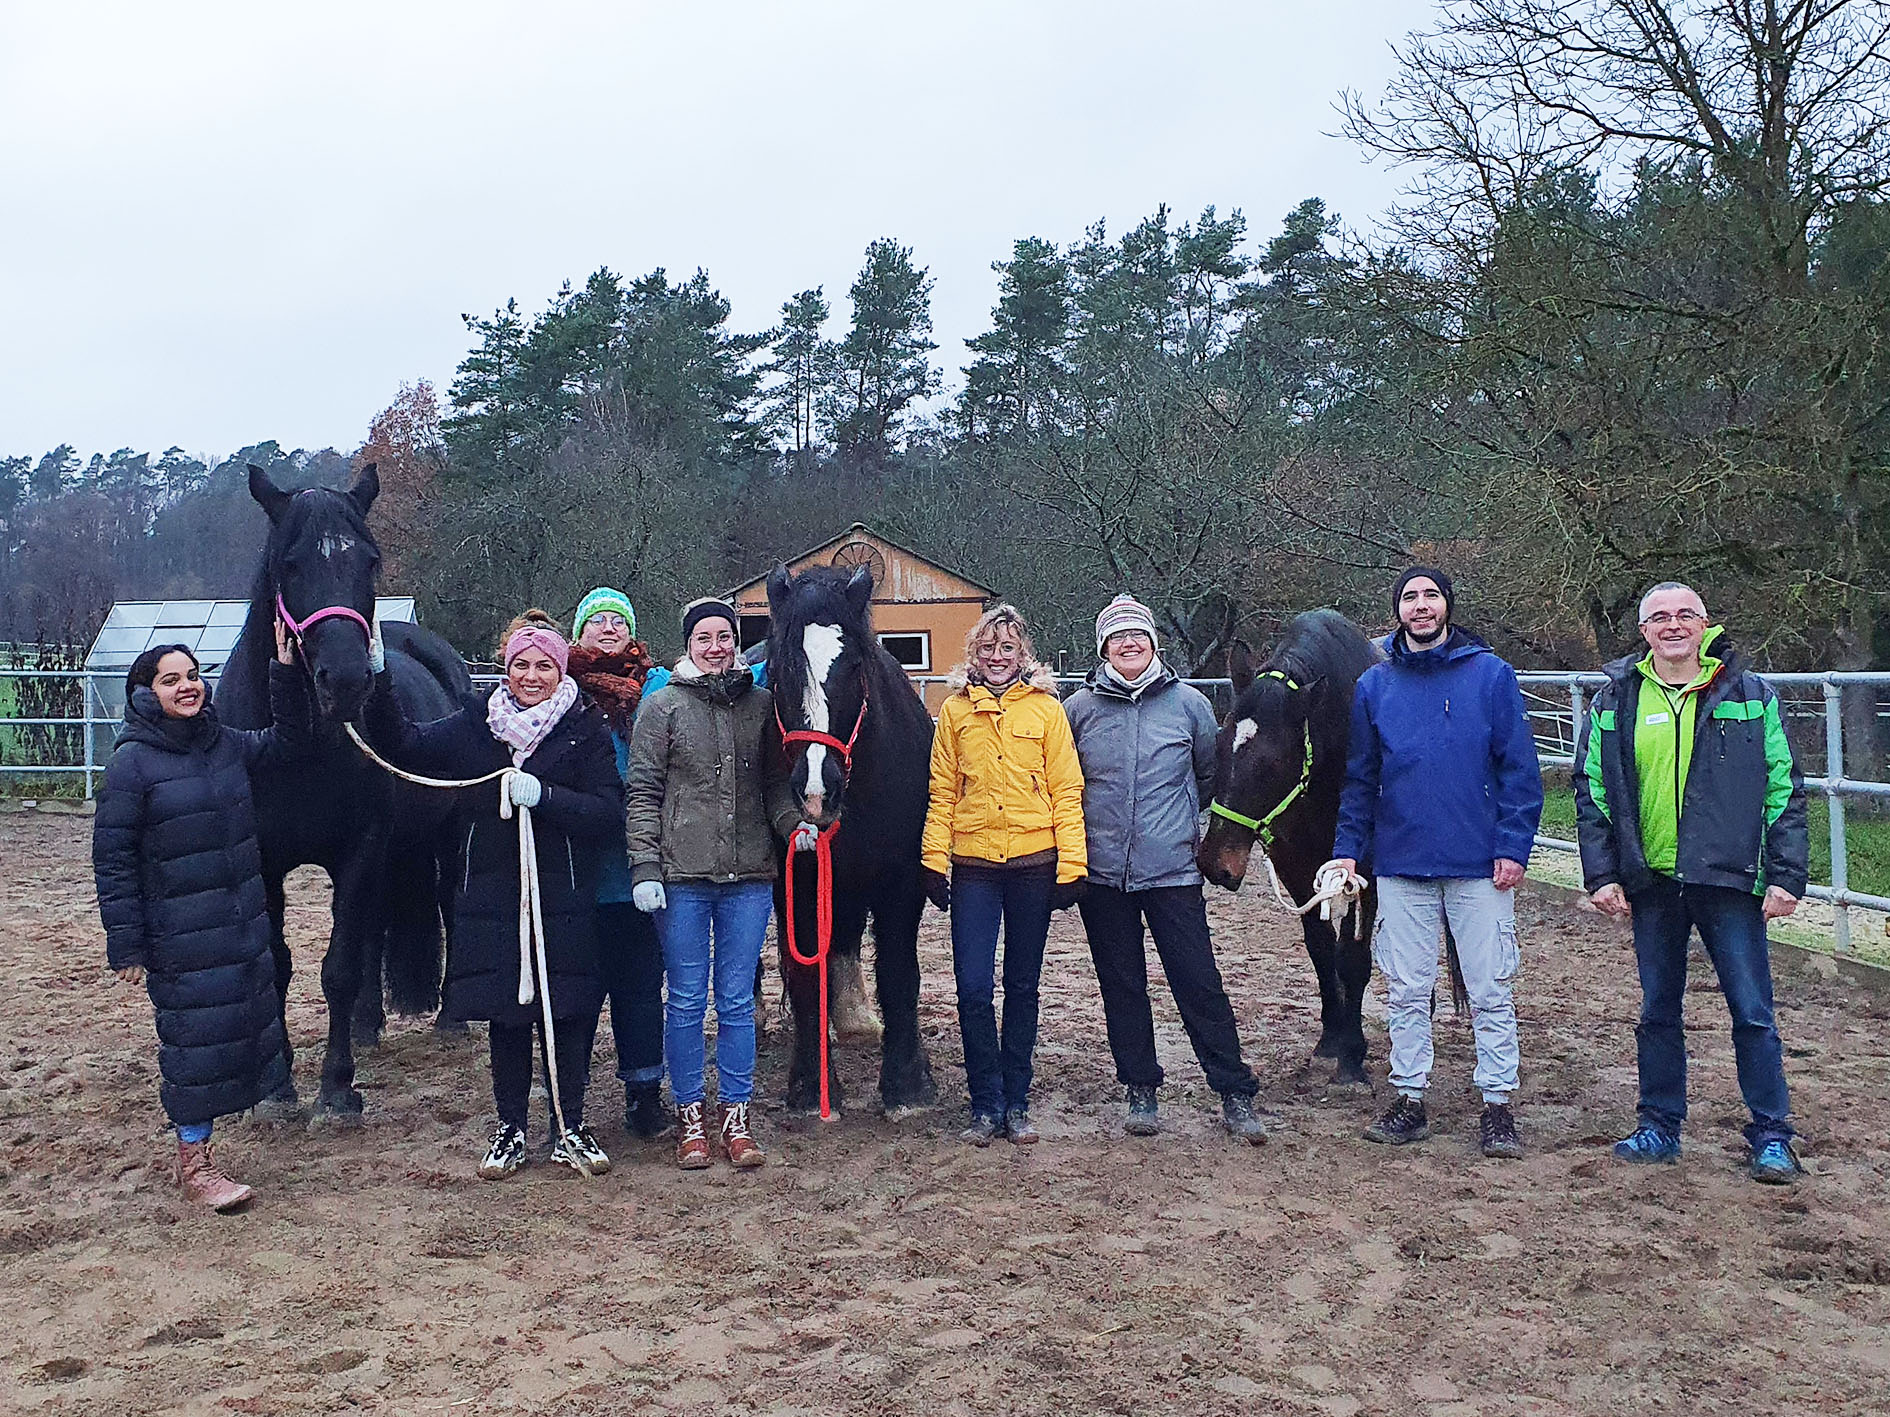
(298,628)
(826,740)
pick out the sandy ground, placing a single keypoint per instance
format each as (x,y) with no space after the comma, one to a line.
(877,1266)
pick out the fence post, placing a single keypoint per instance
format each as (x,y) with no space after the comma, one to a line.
(1834,800)
(1577,706)
(86,695)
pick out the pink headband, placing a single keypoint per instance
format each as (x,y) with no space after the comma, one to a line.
(539,637)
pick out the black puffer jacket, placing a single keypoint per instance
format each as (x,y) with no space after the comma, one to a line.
(579,816)
(180,890)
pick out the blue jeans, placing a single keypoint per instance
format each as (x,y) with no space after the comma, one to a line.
(719,927)
(193,1132)
(998,1072)
(1732,927)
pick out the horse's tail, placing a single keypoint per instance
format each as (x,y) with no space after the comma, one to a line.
(1459,991)
(413,940)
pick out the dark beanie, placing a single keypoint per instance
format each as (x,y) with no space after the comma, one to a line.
(1430,573)
(708,608)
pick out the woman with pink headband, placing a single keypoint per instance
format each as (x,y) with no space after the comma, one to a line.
(537,723)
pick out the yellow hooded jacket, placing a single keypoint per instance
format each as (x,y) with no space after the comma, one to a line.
(1006,782)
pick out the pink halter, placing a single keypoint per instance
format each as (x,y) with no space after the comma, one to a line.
(298,628)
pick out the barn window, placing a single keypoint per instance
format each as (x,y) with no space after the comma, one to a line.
(754,630)
(912,648)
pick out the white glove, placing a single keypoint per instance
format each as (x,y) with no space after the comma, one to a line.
(648,897)
(525,789)
(804,837)
(376,651)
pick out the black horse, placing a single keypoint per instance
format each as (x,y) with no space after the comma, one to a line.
(384,844)
(1286,738)
(830,675)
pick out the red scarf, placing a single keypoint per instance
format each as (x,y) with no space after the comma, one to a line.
(613,681)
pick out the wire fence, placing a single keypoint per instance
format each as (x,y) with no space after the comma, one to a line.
(55,728)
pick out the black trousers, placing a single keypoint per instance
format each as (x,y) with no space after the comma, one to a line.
(1177,918)
(512,1067)
(631,959)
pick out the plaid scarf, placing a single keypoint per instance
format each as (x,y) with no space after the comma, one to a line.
(522,729)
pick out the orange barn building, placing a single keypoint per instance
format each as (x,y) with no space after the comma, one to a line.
(922,611)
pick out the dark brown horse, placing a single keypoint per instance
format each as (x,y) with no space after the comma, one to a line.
(1280,766)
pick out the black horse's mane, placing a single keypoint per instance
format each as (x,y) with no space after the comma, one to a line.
(336,511)
(1320,644)
(818,595)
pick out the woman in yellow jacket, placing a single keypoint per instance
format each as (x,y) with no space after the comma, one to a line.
(1004,845)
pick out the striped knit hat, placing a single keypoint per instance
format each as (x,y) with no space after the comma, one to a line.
(1125,612)
(597,602)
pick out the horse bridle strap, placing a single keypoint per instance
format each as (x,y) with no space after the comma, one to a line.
(299,628)
(1264,825)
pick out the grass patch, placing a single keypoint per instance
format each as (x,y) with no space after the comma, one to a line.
(1866,839)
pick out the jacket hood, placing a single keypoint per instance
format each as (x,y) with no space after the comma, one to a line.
(1458,645)
(1100,682)
(146,722)
(1716,643)
(723,688)
(1036,676)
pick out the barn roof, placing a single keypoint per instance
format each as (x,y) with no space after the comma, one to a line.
(860,531)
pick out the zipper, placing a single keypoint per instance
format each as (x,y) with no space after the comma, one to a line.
(571,862)
(465,883)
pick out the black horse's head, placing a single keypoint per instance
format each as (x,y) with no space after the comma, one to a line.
(819,643)
(322,558)
(1260,758)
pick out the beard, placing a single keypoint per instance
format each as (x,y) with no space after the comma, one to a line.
(1425,641)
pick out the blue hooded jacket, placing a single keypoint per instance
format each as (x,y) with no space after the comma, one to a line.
(1442,777)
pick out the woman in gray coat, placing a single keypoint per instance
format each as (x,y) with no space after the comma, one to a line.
(1146,742)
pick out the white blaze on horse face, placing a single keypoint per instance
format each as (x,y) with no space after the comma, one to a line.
(1243,732)
(332,545)
(821,646)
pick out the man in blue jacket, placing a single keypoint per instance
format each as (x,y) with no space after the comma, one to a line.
(1442,797)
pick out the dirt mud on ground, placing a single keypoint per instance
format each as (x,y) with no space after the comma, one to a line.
(880,1265)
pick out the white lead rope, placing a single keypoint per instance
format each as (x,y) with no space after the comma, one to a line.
(1332,883)
(531,919)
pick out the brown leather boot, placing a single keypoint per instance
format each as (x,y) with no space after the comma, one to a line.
(742,1148)
(203,1183)
(692,1141)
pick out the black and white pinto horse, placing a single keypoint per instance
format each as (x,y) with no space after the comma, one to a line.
(1279,771)
(383,843)
(859,743)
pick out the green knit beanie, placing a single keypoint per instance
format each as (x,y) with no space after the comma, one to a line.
(598,601)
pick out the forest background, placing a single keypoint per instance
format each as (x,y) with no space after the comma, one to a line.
(1631,321)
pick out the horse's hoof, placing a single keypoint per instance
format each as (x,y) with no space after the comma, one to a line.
(452,1027)
(804,1097)
(284,1109)
(1349,1074)
(910,1097)
(339,1111)
(366,1040)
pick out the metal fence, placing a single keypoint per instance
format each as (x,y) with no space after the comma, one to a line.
(1557,703)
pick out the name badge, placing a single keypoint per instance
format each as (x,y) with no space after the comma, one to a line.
(1656,718)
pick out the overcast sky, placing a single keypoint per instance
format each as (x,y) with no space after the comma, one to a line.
(225,223)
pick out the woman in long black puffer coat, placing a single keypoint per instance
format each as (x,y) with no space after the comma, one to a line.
(566,773)
(180,890)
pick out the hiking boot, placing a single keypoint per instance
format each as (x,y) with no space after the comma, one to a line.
(506,1153)
(1143,1121)
(644,1114)
(1241,1121)
(578,1145)
(743,1150)
(983,1130)
(203,1182)
(692,1142)
(1775,1164)
(1018,1128)
(1649,1146)
(1497,1132)
(1402,1125)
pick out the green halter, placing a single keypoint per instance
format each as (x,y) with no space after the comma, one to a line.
(1263,826)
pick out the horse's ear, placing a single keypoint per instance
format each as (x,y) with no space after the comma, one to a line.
(778,583)
(271,498)
(1240,665)
(365,488)
(860,590)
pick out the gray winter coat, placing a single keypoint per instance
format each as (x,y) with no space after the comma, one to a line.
(706,793)
(1148,765)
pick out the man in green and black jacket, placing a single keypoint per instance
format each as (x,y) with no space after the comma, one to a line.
(1691,812)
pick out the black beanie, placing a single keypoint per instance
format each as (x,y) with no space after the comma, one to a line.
(708,608)
(1430,573)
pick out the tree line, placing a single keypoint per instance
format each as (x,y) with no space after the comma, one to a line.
(1629,322)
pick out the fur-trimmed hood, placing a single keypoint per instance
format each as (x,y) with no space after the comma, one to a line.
(1037,676)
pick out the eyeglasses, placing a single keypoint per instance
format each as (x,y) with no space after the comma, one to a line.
(1673,617)
(608,621)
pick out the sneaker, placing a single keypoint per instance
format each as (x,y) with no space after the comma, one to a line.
(202,1181)
(692,1141)
(1497,1132)
(742,1149)
(1018,1128)
(505,1155)
(1143,1120)
(1241,1121)
(1648,1146)
(578,1145)
(644,1114)
(983,1129)
(1775,1164)
(1402,1125)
